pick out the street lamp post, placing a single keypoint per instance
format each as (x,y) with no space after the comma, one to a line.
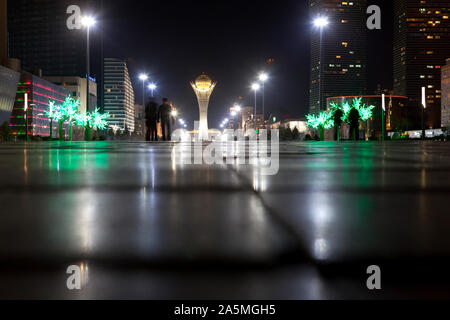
(321,23)
(152,88)
(143,78)
(256,88)
(424,106)
(88,22)
(383,122)
(263,77)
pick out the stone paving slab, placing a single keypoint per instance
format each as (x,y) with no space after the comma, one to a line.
(149,228)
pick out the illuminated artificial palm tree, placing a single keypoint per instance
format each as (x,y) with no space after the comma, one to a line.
(321,122)
(62,113)
(92,120)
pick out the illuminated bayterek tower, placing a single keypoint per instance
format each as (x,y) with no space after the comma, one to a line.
(203,87)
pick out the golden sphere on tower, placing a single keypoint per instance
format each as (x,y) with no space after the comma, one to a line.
(203,82)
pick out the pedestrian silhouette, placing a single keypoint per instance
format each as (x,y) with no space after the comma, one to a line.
(164,116)
(151,119)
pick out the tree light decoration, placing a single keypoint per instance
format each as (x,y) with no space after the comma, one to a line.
(328,120)
(62,113)
(321,122)
(68,111)
(99,120)
(92,120)
(346,108)
(365,112)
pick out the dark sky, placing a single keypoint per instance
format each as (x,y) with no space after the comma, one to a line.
(174,41)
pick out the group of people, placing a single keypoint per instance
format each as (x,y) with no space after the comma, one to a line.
(162,115)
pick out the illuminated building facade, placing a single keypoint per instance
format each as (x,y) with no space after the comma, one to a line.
(343,69)
(39,92)
(203,88)
(421,46)
(77,89)
(8,88)
(446,96)
(119,94)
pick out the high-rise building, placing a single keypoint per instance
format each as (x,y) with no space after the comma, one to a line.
(445,104)
(339,61)
(3,32)
(421,46)
(39,37)
(119,94)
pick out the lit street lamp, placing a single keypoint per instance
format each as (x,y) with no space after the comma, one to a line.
(256,87)
(321,23)
(88,22)
(152,88)
(263,77)
(143,77)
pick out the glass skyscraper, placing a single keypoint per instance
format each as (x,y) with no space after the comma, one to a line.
(421,47)
(343,69)
(39,37)
(119,94)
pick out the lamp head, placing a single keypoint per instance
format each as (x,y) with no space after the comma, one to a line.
(321,22)
(256,86)
(88,21)
(143,76)
(263,77)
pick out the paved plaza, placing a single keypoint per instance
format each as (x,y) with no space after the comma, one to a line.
(143,226)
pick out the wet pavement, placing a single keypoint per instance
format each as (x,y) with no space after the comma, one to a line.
(144,227)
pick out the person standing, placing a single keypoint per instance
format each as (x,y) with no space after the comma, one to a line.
(165,117)
(151,119)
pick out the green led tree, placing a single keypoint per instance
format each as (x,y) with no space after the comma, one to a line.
(360,112)
(92,120)
(365,111)
(320,122)
(70,109)
(351,114)
(63,113)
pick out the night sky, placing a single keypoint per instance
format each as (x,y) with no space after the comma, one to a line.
(175,41)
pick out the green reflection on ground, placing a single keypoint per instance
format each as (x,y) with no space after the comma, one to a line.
(68,156)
